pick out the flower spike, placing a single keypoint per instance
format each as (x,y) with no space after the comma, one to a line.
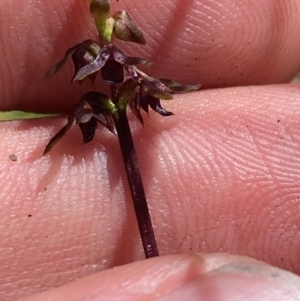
(130,88)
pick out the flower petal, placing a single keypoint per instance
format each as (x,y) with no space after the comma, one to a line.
(143,102)
(85,54)
(88,130)
(99,102)
(62,62)
(83,112)
(127,93)
(176,87)
(125,29)
(146,100)
(112,72)
(94,66)
(129,96)
(60,134)
(135,109)
(155,105)
(156,88)
(123,59)
(103,108)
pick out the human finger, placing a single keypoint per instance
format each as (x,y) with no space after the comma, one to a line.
(216,44)
(220,175)
(211,277)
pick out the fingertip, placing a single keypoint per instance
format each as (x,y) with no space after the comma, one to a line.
(145,279)
(181,277)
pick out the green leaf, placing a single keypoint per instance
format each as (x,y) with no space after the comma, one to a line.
(20,115)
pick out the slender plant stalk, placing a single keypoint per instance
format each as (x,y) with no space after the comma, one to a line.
(136,184)
(130,87)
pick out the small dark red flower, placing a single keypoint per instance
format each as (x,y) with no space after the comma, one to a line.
(93,107)
(141,91)
(89,58)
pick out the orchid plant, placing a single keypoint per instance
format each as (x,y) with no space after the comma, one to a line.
(129,88)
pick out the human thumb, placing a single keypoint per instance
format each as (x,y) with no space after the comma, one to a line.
(183,277)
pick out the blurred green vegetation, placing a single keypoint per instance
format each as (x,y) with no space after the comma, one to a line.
(19,115)
(296,79)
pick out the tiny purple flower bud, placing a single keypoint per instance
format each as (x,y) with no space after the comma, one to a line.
(125,29)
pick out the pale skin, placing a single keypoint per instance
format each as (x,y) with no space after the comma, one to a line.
(221,176)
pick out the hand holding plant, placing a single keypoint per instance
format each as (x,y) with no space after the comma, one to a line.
(207,127)
(129,86)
